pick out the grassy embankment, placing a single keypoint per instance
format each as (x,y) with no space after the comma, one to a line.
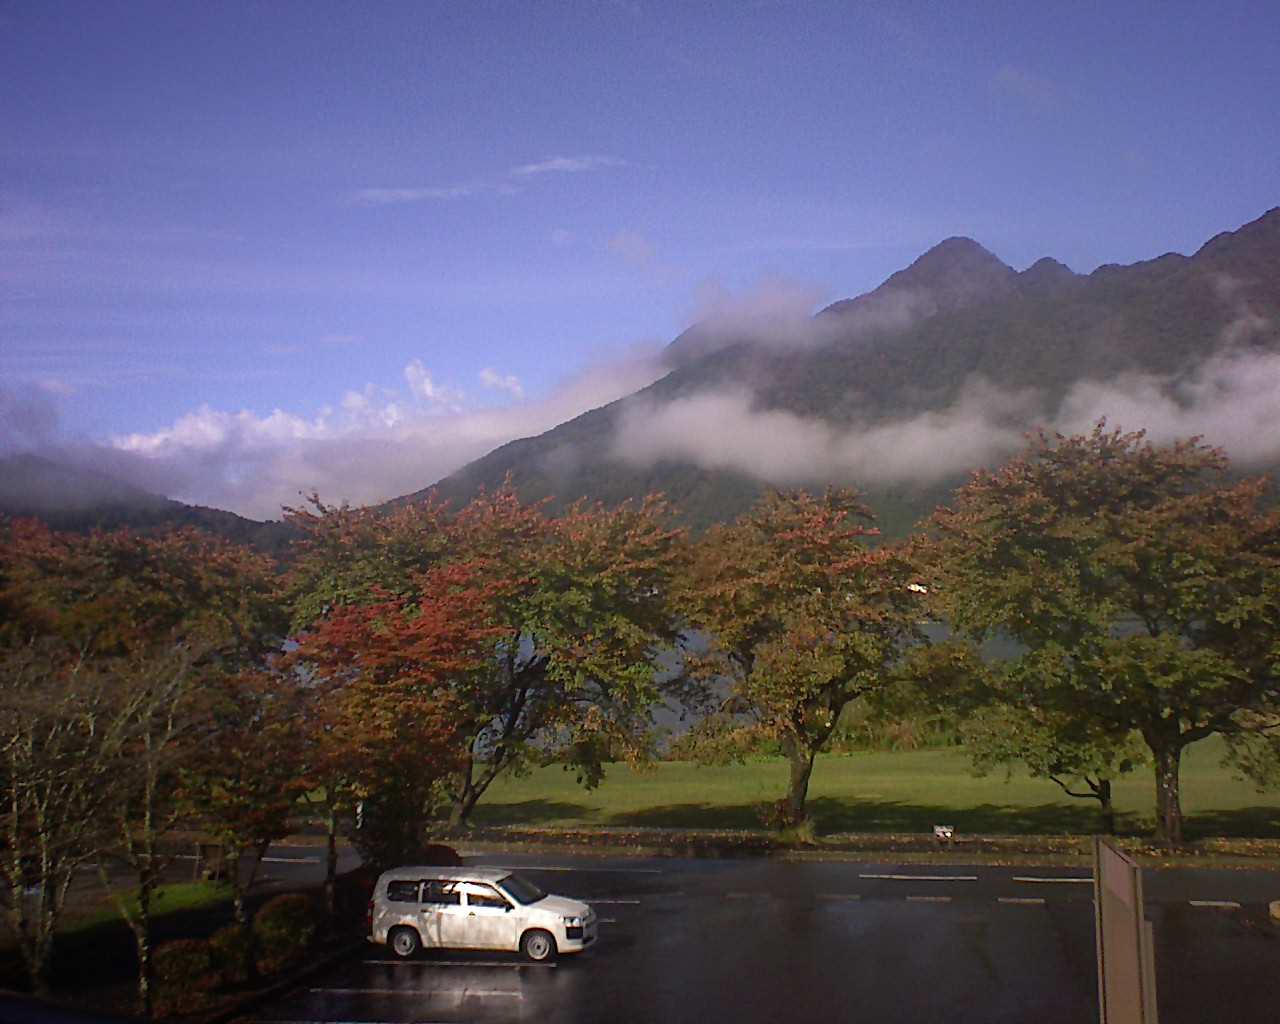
(170,898)
(904,792)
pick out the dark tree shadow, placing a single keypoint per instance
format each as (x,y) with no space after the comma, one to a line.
(691,815)
(1242,822)
(528,812)
(830,815)
(1050,819)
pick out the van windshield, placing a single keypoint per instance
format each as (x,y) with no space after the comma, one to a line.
(521,889)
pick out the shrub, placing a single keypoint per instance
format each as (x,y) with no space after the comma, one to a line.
(231,949)
(283,929)
(184,976)
(390,825)
(439,854)
(351,894)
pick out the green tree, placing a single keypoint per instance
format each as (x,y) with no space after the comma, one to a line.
(393,726)
(247,775)
(1081,760)
(62,734)
(164,719)
(348,556)
(1136,578)
(803,617)
(106,635)
(582,614)
(567,616)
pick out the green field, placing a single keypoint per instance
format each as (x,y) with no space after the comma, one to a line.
(170,898)
(878,792)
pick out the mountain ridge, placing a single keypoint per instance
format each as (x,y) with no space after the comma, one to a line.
(912,346)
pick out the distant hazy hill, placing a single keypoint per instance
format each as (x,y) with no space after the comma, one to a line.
(72,498)
(911,346)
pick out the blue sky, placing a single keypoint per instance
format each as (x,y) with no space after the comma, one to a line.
(252,249)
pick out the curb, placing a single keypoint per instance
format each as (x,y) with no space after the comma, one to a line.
(850,847)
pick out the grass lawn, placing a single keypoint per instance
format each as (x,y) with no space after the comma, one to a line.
(171,898)
(879,792)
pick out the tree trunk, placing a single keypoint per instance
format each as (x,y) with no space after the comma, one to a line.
(1168,799)
(801,763)
(1106,806)
(465,798)
(463,806)
(231,862)
(331,864)
(142,936)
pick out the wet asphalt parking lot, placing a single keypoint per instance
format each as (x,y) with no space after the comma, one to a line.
(762,941)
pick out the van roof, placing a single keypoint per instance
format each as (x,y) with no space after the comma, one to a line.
(449,874)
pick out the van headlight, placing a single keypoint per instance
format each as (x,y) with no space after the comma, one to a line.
(573,922)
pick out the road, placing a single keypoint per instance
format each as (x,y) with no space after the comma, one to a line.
(765,941)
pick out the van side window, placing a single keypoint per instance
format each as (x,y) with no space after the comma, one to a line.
(436,891)
(402,892)
(484,896)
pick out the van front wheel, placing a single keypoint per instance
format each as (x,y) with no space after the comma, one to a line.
(538,946)
(404,942)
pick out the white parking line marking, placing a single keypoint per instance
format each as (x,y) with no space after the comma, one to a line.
(1215,903)
(458,994)
(1025,901)
(924,878)
(510,964)
(592,903)
(839,896)
(928,899)
(607,920)
(1065,879)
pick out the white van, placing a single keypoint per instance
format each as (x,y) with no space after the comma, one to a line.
(475,908)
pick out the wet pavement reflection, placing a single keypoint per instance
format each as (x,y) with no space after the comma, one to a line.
(762,941)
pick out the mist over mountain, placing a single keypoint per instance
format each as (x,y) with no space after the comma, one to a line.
(900,392)
(77,498)
(942,368)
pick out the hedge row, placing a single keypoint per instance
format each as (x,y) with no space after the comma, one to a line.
(188,972)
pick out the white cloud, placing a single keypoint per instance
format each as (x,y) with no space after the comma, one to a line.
(567,165)
(495,381)
(421,385)
(775,313)
(727,430)
(503,184)
(1232,400)
(387,196)
(371,447)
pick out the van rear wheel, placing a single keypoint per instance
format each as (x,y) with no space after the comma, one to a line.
(538,946)
(404,942)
